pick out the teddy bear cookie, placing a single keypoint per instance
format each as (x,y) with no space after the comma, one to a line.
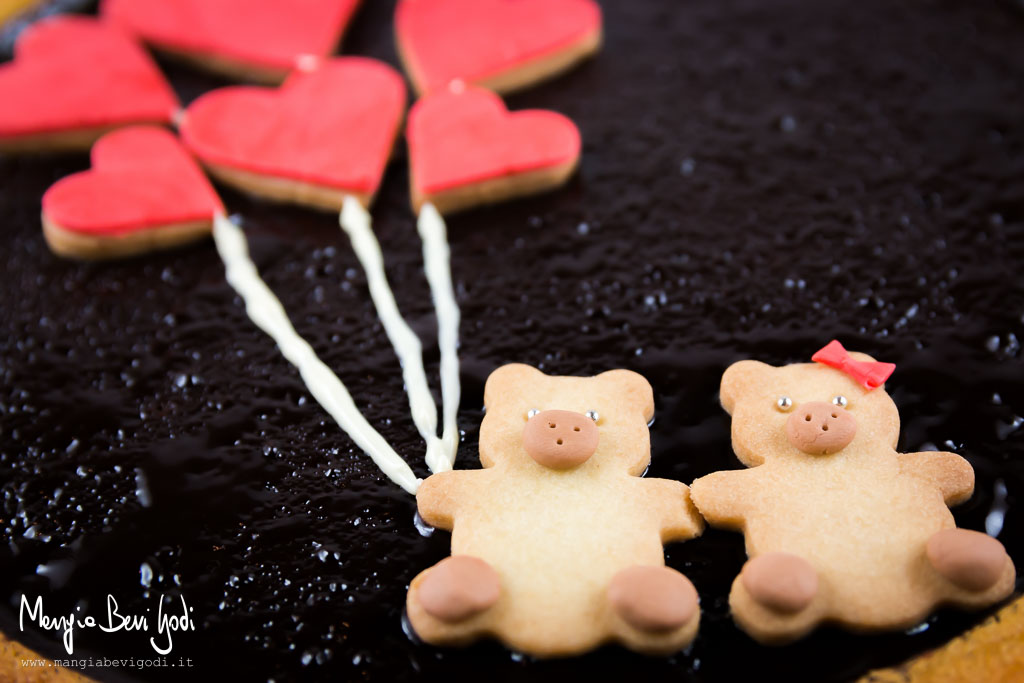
(840,527)
(557,541)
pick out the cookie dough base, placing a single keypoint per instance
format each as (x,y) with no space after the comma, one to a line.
(495,190)
(92,247)
(992,651)
(74,140)
(285,190)
(522,75)
(13,654)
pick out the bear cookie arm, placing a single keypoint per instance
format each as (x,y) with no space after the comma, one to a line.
(673,508)
(722,498)
(439,496)
(948,472)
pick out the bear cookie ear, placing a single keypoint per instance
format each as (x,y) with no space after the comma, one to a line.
(509,381)
(633,387)
(741,378)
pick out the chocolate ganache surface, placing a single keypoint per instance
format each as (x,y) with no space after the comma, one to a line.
(757,179)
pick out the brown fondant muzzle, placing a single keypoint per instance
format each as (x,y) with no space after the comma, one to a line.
(819,428)
(560,439)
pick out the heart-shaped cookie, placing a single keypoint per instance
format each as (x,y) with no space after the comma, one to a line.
(503,45)
(144,192)
(324,134)
(74,79)
(466,149)
(259,40)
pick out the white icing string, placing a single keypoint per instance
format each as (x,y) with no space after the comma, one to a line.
(307,62)
(437,263)
(355,220)
(177,117)
(266,311)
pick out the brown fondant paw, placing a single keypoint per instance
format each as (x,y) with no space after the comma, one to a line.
(458,588)
(780,581)
(969,559)
(653,598)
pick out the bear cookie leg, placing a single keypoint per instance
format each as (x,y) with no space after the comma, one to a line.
(777,597)
(970,560)
(653,599)
(780,582)
(654,609)
(458,587)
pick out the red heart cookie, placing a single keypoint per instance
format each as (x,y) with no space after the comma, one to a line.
(73,79)
(324,134)
(465,149)
(503,45)
(253,39)
(144,192)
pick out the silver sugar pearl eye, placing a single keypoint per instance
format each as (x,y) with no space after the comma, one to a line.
(592,414)
(840,401)
(532,412)
(785,403)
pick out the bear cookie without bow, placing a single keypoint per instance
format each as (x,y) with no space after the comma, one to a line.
(557,542)
(840,527)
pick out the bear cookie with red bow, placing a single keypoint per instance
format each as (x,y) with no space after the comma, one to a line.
(557,541)
(839,526)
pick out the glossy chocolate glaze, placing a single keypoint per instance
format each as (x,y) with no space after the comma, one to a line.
(756,180)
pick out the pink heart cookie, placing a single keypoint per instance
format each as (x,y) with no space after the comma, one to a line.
(466,148)
(144,192)
(503,45)
(74,79)
(324,134)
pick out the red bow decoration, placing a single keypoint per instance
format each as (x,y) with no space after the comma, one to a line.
(870,374)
